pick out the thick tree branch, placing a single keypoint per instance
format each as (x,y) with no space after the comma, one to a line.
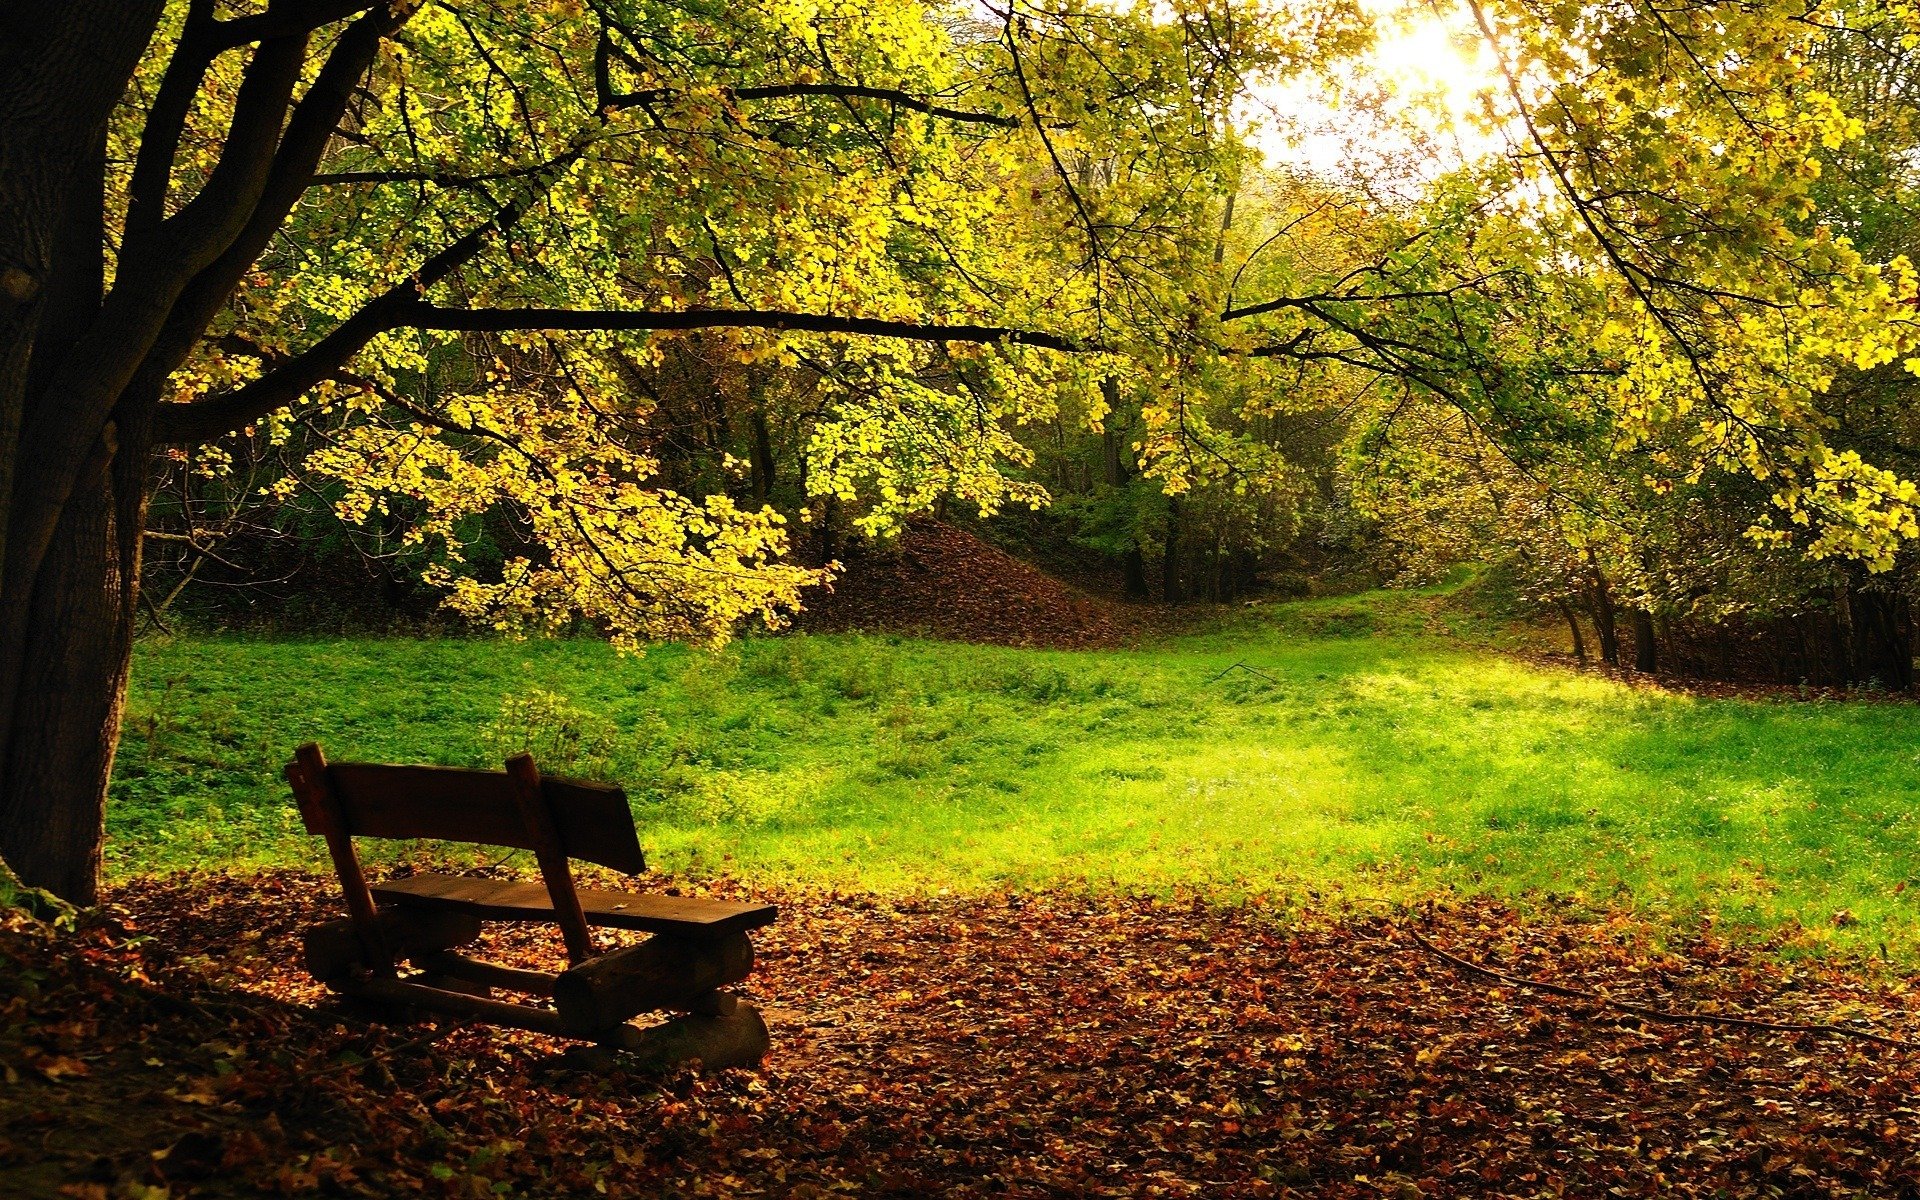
(202,40)
(194,236)
(293,18)
(401,309)
(305,140)
(287,382)
(839,91)
(1307,303)
(442,179)
(496,320)
(167,120)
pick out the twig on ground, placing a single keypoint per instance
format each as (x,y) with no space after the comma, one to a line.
(153,613)
(1240,666)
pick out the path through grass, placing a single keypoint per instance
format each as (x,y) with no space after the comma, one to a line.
(1360,753)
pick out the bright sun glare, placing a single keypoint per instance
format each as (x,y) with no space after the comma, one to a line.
(1401,114)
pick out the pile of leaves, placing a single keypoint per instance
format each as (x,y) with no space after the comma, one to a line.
(1011,1045)
(942,581)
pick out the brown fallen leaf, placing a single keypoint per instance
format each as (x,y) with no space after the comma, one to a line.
(55,1068)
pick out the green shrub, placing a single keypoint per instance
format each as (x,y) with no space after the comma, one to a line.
(563,738)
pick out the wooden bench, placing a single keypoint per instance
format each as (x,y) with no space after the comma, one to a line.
(698,946)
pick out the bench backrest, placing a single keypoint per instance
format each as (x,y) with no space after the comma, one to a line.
(557,819)
(454,804)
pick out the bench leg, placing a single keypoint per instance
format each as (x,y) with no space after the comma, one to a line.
(334,953)
(722,1031)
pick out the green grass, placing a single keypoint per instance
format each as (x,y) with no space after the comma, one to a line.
(1374,752)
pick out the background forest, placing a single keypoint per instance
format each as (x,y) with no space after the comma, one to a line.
(1446,391)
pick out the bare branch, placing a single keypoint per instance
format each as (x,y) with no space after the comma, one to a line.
(839,91)
(495,320)
(292,18)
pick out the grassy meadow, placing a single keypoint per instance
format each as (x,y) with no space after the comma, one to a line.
(1364,747)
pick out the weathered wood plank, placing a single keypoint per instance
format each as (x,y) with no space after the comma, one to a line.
(538,817)
(499,900)
(334,949)
(660,973)
(459,1004)
(473,970)
(454,804)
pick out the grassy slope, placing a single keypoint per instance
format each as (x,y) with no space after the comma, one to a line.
(1371,754)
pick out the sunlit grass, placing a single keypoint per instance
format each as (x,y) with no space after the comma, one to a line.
(1365,752)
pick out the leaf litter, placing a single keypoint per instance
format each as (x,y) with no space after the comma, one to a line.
(1051,1044)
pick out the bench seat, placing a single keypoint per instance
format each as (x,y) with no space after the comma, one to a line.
(506,900)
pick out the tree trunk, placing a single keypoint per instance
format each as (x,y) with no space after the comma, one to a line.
(762,456)
(69,528)
(1882,638)
(1603,622)
(70,692)
(1113,468)
(1573,623)
(1646,654)
(1170,561)
(1114,472)
(1829,653)
(829,517)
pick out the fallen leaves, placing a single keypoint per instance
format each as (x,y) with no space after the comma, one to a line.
(1023,1045)
(937,578)
(55,1067)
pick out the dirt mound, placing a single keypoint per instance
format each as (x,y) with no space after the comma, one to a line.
(942,581)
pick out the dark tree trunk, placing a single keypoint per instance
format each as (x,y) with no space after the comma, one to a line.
(1882,641)
(71,479)
(1573,623)
(1646,654)
(1603,620)
(828,533)
(1170,561)
(1839,651)
(72,686)
(1113,467)
(1133,564)
(81,374)
(1115,472)
(762,459)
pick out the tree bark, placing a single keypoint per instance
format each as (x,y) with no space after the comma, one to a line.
(67,586)
(1603,619)
(762,455)
(1646,653)
(69,694)
(1114,473)
(1170,561)
(1133,565)
(1882,638)
(1573,624)
(82,374)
